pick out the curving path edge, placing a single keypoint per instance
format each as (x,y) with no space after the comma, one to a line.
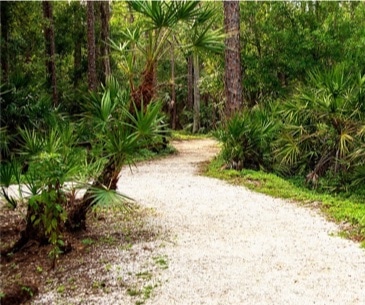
(233,246)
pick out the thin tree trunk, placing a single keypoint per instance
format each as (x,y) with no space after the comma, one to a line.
(131,16)
(91,49)
(78,35)
(49,37)
(232,71)
(5,16)
(173,91)
(105,30)
(190,101)
(77,62)
(196,122)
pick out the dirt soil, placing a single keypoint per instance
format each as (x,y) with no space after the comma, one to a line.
(188,240)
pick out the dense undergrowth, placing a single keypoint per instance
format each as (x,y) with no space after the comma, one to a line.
(309,147)
(54,156)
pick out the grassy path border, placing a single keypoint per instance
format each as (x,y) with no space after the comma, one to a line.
(349,213)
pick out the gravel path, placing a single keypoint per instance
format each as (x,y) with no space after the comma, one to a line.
(233,246)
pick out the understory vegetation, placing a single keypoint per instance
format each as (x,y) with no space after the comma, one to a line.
(310,147)
(51,164)
(88,87)
(317,133)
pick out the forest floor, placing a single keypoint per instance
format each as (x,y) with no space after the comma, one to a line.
(191,240)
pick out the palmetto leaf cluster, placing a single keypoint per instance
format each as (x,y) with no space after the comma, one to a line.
(50,165)
(317,133)
(247,137)
(323,126)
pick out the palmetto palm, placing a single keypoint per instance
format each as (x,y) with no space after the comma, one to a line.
(247,138)
(117,135)
(323,124)
(46,160)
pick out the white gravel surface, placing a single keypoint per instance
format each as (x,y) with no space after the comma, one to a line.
(230,245)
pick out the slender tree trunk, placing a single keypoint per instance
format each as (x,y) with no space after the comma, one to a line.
(196,119)
(232,71)
(49,37)
(131,16)
(190,82)
(78,35)
(77,62)
(105,30)
(5,16)
(91,49)
(173,91)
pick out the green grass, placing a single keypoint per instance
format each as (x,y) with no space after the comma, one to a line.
(183,135)
(344,208)
(161,261)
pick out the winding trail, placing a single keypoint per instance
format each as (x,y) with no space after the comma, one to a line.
(233,246)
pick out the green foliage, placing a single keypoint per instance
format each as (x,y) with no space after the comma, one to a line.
(166,14)
(281,41)
(49,160)
(103,197)
(5,140)
(247,137)
(323,125)
(147,123)
(10,172)
(318,133)
(116,132)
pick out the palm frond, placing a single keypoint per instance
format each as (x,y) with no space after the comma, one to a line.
(11,201)
(103,197)
(31,141)
(148,122)
(359,177)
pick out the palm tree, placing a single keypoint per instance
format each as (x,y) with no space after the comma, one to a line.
(162,18)
(117,135)
(183,21)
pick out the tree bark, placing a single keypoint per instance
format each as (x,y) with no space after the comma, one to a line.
(196,116)
(147,89)
(190,100)
(77,62)
(5,16)
(109,177)
(173,91)
(105,35)
(79,34)
(49,37)
(91,49)
(232,71)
